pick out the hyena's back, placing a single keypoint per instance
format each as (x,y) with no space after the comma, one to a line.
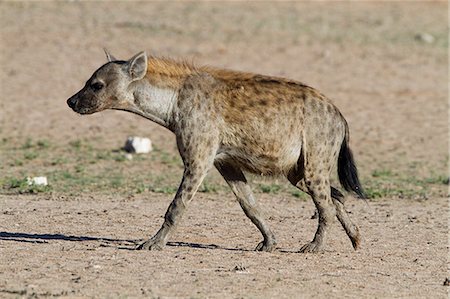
(269,122)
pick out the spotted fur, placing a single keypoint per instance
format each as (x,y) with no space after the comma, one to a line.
(238,122)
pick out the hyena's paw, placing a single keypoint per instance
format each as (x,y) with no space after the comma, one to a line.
(356,239)
(151,244)
(312,247)
(267,246)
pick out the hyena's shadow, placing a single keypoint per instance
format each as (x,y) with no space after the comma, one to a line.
(46,238)
(123,244)
(184,244)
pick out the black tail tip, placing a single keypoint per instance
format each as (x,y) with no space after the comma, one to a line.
(348,174)
(360,192)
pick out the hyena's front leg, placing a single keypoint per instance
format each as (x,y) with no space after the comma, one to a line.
(197,163)
(188,187)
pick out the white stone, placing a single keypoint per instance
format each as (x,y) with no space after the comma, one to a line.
(138,145)
(38,181)
(425,37)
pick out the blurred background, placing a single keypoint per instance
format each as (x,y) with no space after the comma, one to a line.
(383,64)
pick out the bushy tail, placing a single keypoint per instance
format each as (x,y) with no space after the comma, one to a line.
(348,174)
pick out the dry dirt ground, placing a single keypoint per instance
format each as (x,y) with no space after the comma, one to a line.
(75,238)
(84,248)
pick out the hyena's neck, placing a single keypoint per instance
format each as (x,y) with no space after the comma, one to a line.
(156,95)
(154,102)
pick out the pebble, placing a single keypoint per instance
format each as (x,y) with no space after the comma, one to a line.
(38,181)
(138,145)
(425,37)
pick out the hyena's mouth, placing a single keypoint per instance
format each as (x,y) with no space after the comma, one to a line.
(83,109)
(87,110)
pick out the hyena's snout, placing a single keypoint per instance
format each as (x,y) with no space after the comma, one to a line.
(83,104)
(72,102)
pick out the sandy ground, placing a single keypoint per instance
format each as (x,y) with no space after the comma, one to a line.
(390,84)
(84,248)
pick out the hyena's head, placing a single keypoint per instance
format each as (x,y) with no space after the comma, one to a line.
(108,86)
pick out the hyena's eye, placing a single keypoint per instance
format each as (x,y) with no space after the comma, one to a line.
(97,86)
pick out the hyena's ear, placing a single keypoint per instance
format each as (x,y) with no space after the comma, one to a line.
(109,56)
(137,66)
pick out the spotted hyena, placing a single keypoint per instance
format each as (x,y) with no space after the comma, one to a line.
(238,122)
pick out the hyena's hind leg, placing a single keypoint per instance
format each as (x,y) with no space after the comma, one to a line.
(311,175)
(238,184)
(352,231)
(318,186)
(350,228)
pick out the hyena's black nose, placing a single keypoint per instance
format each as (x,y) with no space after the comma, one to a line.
(72,102)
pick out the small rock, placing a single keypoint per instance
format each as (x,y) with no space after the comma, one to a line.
(425,37)
(447,282)
(38,181)
(128,156)
(76,279)
(138,145)
(239,268)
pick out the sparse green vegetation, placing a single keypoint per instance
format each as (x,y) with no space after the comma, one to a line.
(23,186)
(299,194)
(103,155)
(76,144)
(439,179)
(141,188)
(16,162)
(27,144)
(381,173)
(169,159)
(119,158)
(387,183)
(117,181)
(58,161)
(164,189)
(208,187)
(81,167)
(43,143)
(30,155)
(270,188)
